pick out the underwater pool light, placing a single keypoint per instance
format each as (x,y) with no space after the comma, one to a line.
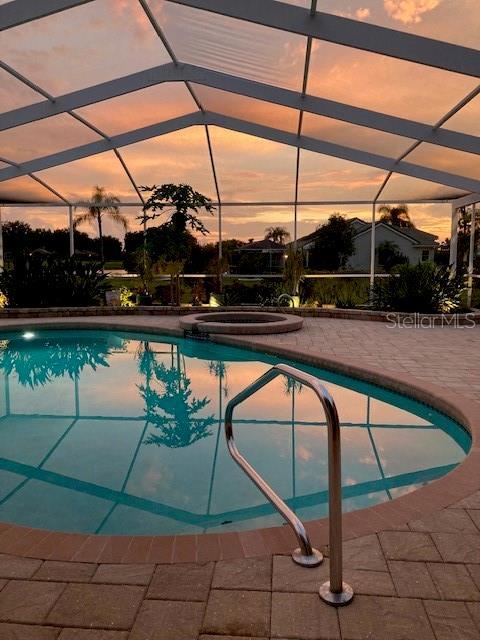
(28,335)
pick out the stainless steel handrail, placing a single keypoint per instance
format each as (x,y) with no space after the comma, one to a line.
(334,591)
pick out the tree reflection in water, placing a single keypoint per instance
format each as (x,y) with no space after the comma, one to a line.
(219,369)
(172,409)
(39,361)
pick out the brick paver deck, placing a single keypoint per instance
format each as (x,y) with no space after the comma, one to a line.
(419,579)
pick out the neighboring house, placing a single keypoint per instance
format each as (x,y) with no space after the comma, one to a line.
(262,254)
(416,245)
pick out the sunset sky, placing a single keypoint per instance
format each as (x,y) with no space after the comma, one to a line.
(105,39)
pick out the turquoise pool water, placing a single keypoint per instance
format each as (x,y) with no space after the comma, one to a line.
(122,433)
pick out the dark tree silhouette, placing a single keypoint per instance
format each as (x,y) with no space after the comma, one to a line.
(102,205)
(397,216)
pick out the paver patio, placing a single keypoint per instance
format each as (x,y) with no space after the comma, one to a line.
(420,579)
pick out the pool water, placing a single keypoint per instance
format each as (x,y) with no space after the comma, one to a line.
(121,433)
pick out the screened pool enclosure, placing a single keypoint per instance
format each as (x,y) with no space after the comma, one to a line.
(296,108)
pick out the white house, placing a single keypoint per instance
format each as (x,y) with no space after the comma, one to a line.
(415,244)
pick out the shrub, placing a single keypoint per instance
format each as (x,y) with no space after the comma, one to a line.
(264,293)
(421,288)
(343,293)
(43,281)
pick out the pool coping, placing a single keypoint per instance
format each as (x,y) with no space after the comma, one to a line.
(369,315)
(441,493)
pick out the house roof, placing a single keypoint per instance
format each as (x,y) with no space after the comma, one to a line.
(422,237)
(263,245)
(416,235)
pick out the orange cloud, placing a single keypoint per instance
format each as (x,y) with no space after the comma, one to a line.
(409,11)
(362,13)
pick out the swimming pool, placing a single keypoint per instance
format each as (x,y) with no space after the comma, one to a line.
(121,433)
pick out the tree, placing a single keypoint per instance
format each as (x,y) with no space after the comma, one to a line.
(277,234)
(102,204)
(181,201)
(17,239)
(20,241)
(333,244)
(396,216)
(171,242)
(389,255)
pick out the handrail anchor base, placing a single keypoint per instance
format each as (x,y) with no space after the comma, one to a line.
(312,560)
(336,599)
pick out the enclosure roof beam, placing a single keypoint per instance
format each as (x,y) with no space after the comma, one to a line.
(17,12)
(257,130)
(284,97)
(270,203)
(464,201)
(286,17)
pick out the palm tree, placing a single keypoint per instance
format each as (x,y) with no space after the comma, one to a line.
(102,204)
(277,234)
(397,216)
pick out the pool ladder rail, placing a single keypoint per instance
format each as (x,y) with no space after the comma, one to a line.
(334,591)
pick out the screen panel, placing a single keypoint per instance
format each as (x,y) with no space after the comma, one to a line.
(178,157)
(456,21)
(249,109)
(38,217)
(76,180)
(24,189)
(250,169)
(310,217)
(252,222)
(450,160)
(14,94)
(351,135)
(232,46)
(467,120)
(384,84)
(44,137)
(401,187)
(83,46)
(432,218)
(140,108)
(326,178)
